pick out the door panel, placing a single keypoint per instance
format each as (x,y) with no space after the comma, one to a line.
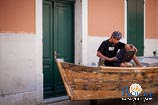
(135,24)
(48,48)
(64,31)
(64,35)
(140,27)
(131,22)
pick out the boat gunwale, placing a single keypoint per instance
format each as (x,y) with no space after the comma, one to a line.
(118,69)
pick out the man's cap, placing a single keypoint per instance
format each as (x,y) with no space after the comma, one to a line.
(117,34)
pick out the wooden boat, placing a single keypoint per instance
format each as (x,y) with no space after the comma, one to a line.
(88,83)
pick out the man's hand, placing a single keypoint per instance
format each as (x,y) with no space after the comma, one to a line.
(100,55)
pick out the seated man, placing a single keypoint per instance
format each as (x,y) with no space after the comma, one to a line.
(109,49)
(125,55)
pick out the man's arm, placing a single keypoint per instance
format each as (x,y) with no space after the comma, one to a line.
(113,59)
(137,61)
(100,55)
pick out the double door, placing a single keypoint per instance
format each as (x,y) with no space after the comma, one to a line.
(58,42)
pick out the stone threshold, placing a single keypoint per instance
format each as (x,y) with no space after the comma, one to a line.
(55,99)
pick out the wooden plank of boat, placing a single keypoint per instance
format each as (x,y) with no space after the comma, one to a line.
(87,83)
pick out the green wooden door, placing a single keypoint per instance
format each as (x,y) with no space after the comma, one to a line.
(135,24)
(58,39)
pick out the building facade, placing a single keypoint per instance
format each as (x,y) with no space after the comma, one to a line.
(35,32)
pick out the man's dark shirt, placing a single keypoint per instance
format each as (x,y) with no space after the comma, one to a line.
(123,56)
(110,50)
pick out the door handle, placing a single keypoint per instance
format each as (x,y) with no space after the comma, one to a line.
(55,55)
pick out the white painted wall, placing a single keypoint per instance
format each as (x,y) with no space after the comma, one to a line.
(20,70)
(21,76)
(150,45)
